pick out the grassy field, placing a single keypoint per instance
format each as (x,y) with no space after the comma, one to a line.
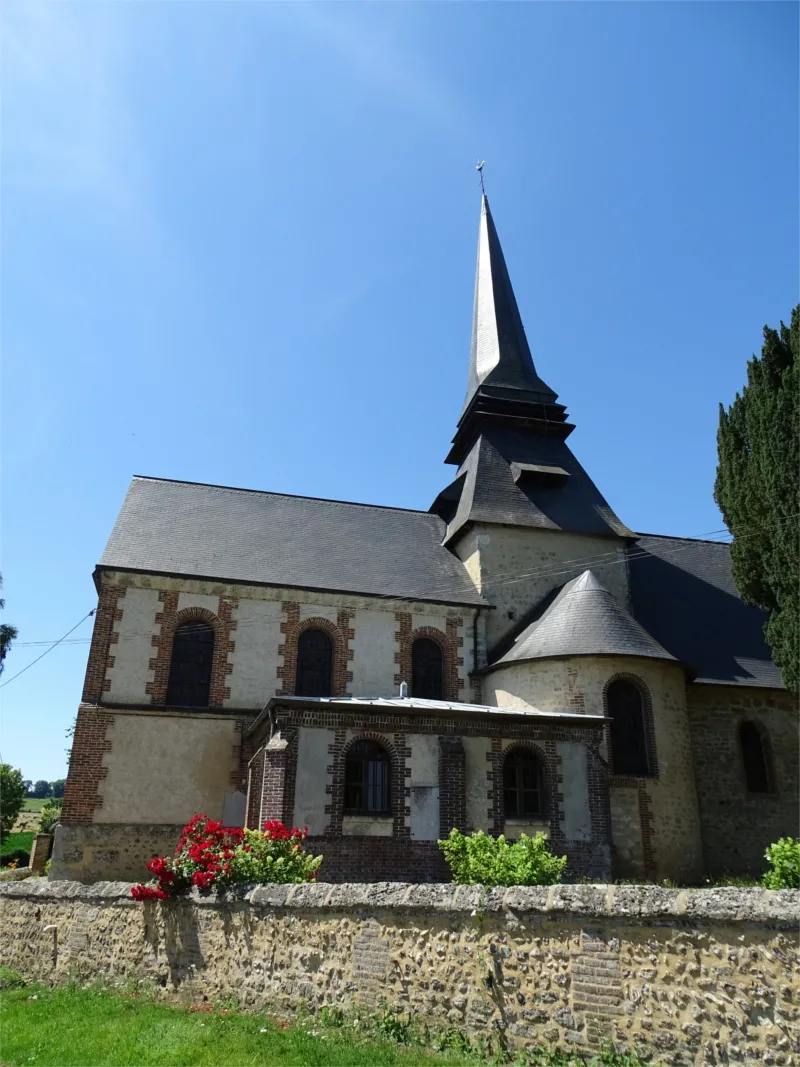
(91,1028)
(12,842)
(34,803)
(72,1026)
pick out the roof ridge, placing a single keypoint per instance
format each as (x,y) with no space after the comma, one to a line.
(291,496)
(679,537)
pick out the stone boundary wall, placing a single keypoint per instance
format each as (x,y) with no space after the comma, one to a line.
(685,977)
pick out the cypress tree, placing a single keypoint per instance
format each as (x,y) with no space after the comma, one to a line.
(756,489)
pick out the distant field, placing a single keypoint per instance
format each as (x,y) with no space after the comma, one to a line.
(13,842)
(34,803)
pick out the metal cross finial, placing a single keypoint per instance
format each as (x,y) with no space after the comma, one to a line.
(479,169)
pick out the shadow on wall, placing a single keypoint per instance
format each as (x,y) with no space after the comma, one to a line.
(708,628)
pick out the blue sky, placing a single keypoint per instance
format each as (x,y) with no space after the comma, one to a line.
(239,243)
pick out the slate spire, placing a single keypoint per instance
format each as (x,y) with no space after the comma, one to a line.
(503,384)
(514,466)
(500,356)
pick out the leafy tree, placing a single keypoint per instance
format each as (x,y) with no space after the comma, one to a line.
(57,787)
(12,796)
(756,490)
(28,787)
(41,789)
(7,633)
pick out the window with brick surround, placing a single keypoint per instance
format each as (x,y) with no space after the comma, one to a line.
(625,705)
(367,772)
(427,669)
(754,758)
(314,664)
(523,785)
(190,666)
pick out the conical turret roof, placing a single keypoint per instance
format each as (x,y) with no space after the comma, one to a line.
(585,619)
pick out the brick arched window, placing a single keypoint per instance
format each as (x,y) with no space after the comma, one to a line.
(191,664)
(626,709)
(427,669)
(754,758)
(367,777)
(314,664)
(523,785)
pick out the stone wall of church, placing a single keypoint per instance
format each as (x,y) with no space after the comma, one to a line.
(256,632)
(514,567)
(136,776)
(655,822)
(739,825)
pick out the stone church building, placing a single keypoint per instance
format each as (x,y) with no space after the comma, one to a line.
(513,659)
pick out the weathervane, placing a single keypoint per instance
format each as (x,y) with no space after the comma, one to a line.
(479,169)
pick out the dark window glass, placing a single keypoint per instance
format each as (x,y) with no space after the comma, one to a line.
(755,764)
(366,779)
(628,742)
(523,793)
(190,667)
(314,662)
(427,669)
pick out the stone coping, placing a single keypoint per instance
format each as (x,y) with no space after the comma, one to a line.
(719,905)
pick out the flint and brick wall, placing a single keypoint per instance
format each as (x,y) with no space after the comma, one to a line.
(681,977)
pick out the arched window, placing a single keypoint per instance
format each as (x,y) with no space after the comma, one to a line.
(427,669)
(523,785)
(754,758)
(628,741)
(314,663)
(366,779)
(190,667)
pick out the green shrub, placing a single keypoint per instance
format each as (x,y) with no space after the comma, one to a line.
(784,860)
(483,860)
(51,815)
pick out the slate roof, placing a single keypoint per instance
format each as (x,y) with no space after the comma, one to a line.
(584,619)
(682,592)
(241,535)
(489,492)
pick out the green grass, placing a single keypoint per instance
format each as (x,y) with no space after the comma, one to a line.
(12,842)
(34,803)
(96,1028)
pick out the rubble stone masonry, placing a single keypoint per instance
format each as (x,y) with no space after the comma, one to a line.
(709,976)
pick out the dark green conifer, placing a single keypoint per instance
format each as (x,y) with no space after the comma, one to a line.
(757,490)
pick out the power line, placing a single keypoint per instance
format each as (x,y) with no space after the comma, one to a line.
(50,649)
(614,557)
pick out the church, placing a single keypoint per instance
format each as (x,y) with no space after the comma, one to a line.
(513,659)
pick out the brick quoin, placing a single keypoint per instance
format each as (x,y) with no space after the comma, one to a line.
(103,637)
(170,619)
(89,743)
(449,641)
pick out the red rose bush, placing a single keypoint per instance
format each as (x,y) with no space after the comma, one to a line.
(212,856)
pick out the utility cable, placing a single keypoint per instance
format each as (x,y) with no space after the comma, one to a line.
(50,649)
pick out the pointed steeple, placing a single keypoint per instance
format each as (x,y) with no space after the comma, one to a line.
(500,355)
(510,445)
(503,385)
